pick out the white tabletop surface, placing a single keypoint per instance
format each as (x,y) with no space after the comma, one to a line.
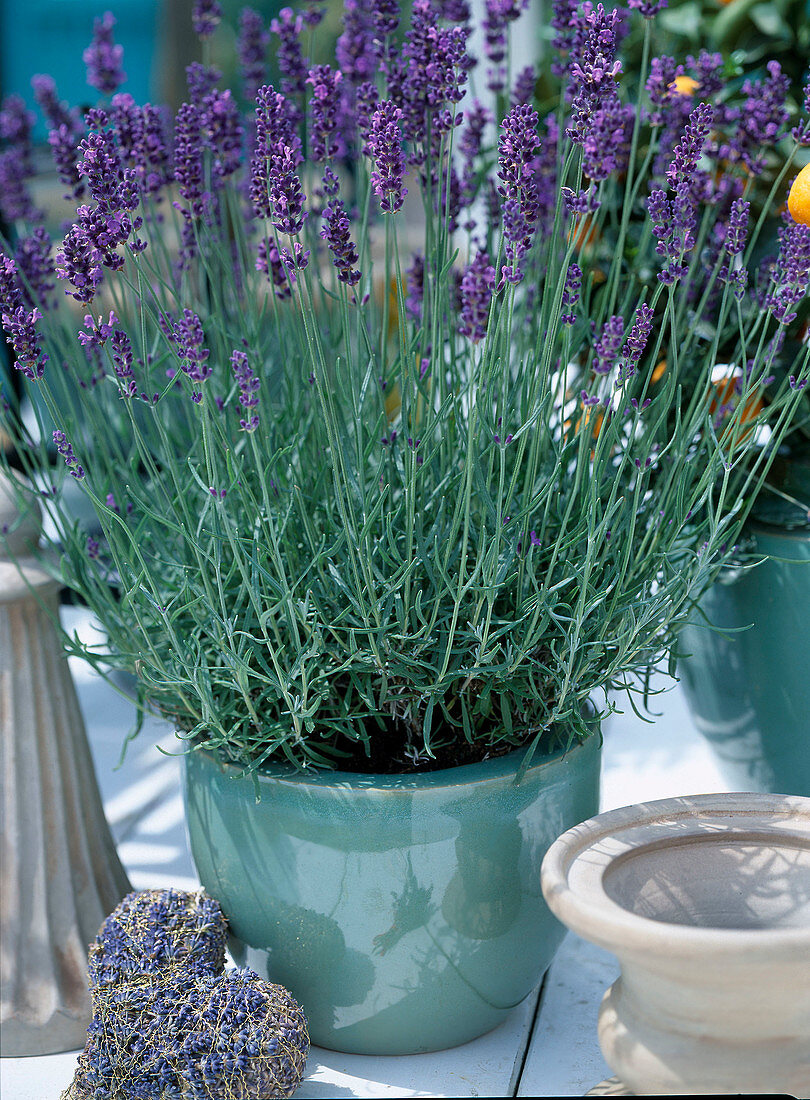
(547,1047)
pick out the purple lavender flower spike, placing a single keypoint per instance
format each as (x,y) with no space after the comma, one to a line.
(287,27)
(103,57)
(336,234)
(525,81)
(221,133)
(66,451)
(191,350)
(415,276)
(801,132)
(79,261)
(286,198)
(252,48)
(763,118)
(63,146)
(477,287)
(121,351)
(736,231)
(593,68)
(477,118)
(56,112)
(274,125)
(516,152)
(498,14)
(454,11)
(385,15)
(324,109)
(248,389)
(188,159)
(206,16)
(354,50)
(637,340)
(201,80)
(21,333)
(10,291)
(270,263)
(571,291)
(688,150)
(16,164)
(606,146)
(661,88)
(608,345)
(385,146)
(648,8)
(791,272)
(35,264)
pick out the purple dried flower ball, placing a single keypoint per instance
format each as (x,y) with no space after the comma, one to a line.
(156,931)
(241,1037)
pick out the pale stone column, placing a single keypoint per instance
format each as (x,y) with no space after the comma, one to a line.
(60,874)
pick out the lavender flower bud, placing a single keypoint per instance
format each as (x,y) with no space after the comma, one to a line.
(103,57)
(571,291)
(121,350)
(248,389)
(324,107)
(637,340)
(206,16)
(270,263)
(337,236)
(608,345)
(66,451)
(191,350)
(21,333)
(251,48)
(476,294)
(188,158)
(286,199)
(34,262)
(289,58)
(790,273)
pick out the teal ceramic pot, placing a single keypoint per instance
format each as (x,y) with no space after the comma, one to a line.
(404,912)
(749,692)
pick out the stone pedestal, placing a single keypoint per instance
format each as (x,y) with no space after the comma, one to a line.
(60,874)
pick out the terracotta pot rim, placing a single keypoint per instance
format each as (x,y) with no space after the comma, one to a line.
(597,844)
(496,768)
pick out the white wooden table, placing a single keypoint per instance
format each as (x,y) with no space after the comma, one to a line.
(547,1048)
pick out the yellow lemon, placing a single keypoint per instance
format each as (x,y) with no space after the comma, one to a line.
(799,197)
(684,85)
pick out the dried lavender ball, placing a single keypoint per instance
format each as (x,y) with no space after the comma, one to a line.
(226,1037)
(159,931)
(241,1037)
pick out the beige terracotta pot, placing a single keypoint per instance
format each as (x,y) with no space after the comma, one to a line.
(706,903)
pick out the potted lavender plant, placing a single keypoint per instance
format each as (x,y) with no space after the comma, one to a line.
(414,427)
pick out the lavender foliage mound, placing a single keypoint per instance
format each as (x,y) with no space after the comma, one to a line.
(412,422)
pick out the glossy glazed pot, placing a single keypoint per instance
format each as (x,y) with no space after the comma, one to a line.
(706,903)
(749,691)
(403,912)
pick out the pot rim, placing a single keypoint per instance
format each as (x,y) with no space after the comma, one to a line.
(595,845)
(496,768)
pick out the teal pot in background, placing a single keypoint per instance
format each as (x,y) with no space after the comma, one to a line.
(749,692)
(404,912)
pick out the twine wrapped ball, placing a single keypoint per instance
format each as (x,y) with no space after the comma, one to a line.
(155,933)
